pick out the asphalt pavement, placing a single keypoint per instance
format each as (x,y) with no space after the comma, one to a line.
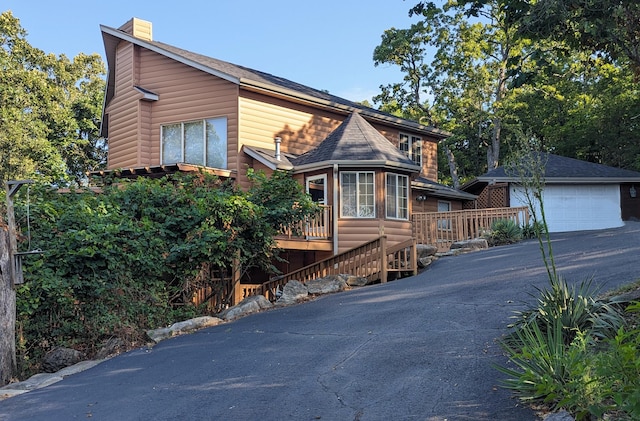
(419,348)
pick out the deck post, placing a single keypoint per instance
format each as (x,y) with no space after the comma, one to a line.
(414,256)
(383,259)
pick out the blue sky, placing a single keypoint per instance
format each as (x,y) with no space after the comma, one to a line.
(324,44)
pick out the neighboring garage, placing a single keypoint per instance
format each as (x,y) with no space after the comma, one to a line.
(578,195)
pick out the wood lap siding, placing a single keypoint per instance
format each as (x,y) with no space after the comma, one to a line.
(185,94)
(300,127)
(123,113)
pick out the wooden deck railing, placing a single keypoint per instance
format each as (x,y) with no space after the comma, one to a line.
(317,226)
(372,260)
(441,229)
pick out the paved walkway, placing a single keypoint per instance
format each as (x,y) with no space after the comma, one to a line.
(420,348)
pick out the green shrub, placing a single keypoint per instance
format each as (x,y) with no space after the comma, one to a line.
(504,231)
(577,308)
(532,230)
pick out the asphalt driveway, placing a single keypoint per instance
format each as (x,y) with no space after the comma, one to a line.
(420,348)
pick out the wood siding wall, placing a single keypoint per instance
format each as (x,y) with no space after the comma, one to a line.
(184,94)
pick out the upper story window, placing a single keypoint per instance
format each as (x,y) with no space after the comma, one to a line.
(200,142)
(357,194)
(411,146)
(397,196)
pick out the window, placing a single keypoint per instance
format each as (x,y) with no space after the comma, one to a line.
(357,195)
(397,202)
(201,142)
(411,146)
(444,223)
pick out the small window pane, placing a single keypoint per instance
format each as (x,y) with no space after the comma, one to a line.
(391,196)
(194,143)
(172,144)
(348,195)
(217,143)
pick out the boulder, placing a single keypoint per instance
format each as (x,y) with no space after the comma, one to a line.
(327,285)
(59,358)
(179,328)
(251,304)
(425,250)
(293,292)
(355,281)
(470,245)
(559,416)
(425,261)
(111,347)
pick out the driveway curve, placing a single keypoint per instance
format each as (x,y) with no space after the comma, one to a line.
(420,348)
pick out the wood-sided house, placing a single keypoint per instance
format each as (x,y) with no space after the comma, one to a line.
(168,109)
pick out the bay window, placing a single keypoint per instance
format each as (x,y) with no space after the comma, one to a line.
(357,194)
(397,196)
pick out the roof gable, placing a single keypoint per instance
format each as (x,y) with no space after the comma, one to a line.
(355,140)
(251,78)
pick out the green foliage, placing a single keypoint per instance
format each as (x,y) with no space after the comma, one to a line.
(504,231)
(49,110)
(570,350)
(531,230)
(575,307)
(129,259)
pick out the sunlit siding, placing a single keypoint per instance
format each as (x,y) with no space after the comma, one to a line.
(186,94)
(300,127)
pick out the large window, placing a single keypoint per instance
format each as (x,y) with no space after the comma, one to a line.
(397,203)
(201,142)
(357,195)
(411,146)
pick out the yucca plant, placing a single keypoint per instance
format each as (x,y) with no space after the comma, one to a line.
(504,231)
(577,309)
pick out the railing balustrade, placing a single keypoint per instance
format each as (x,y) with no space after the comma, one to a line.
(317,226)
(441,229)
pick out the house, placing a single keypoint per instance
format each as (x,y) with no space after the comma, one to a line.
(577,195)
(167,109)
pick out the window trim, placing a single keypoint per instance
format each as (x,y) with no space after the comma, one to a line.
(204,141)
(413,144)
(357,173)
(397,197)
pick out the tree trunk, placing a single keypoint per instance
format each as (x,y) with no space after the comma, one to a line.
(453,167)
(7,311)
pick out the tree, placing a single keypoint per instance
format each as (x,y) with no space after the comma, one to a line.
(610,27)
(49,110)
(465,81)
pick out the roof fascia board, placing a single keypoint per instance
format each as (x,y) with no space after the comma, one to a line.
(130,38)
(255,155)
(356,164)
(567,180)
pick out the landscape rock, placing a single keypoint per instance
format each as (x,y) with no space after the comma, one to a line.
(559,416)
(59,358)
(179,328)
(293,292)
(470,245)
(111,347)
(426,250)
(326,285)
(251,304)
(425,261)
(355,281)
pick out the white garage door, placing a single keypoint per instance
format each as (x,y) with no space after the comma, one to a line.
(578,207)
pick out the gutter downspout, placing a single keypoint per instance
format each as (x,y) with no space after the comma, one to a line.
(335,209)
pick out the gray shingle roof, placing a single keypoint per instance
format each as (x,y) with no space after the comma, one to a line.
(563,169)
(440,190)
(250,77)
(355,140)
